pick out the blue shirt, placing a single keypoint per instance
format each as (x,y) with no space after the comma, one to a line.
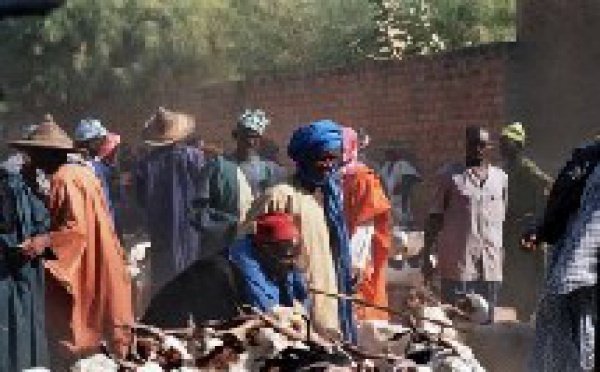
(260,290)
(104,172)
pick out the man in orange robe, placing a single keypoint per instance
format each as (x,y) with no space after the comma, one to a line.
(88,289)
(368,214)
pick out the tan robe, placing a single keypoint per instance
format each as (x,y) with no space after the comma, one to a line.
(245,197)
(88,289)
(316,257)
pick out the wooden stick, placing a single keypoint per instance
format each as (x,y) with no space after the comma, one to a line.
(362,302)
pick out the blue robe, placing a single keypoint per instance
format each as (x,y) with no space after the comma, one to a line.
(22,292)
(104,172)
(261,291)
(167,181)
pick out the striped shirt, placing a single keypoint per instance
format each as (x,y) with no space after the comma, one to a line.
(574,259)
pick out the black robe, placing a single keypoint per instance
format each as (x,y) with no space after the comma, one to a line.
(207,290)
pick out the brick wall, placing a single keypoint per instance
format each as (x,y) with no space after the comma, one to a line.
(424,101)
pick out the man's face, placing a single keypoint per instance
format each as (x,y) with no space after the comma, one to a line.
(44,159)
(478,145)
(328,161)
(509,148)
(28,169)
(113,157)
(25,157)
(280,256)
(91,146)
(247,141)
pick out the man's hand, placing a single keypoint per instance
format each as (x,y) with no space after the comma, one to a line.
(357,279)
(356,274)
(433,226)
(35,246)
(530,241)
(427,268)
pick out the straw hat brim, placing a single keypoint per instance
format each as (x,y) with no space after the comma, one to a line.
(159,142)
(24,144)
(168,127)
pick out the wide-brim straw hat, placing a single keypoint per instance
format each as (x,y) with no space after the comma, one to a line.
(47,135)
(168,127)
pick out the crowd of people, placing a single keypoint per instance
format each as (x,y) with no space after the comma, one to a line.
(234,231)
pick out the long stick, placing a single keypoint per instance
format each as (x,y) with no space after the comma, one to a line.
(362,302)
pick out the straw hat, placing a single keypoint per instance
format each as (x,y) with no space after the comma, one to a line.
(167,127)
(48,135)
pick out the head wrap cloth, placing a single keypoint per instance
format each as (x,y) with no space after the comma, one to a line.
(350,141)
(275,227)
(254,120)
(109,145)
(89,129)
(515,132)
(308,144)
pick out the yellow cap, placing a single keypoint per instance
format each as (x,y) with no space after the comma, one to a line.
(515,132)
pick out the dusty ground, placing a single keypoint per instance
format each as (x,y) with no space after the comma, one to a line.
(502,347)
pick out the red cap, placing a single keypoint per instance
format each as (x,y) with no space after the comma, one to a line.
(275,227)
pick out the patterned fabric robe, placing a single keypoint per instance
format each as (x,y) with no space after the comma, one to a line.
(567,315)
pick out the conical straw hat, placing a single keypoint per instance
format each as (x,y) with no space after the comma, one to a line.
(46,135)
(167,127)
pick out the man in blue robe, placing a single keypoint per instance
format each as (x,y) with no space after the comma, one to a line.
(167,180)
(23,220)
(314,196)
(101,148)
(266,263)
(258,270)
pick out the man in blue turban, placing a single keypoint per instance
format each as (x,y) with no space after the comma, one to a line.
(313,196)
(23,222)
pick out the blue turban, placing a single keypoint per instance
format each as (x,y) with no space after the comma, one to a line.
(308,143)
(89,129)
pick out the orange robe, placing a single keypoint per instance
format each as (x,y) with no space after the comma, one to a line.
(88,289)
(365,201)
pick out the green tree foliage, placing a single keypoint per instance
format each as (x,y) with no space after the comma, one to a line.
(299,34)
(406,27)
(93,47)
(90,48)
